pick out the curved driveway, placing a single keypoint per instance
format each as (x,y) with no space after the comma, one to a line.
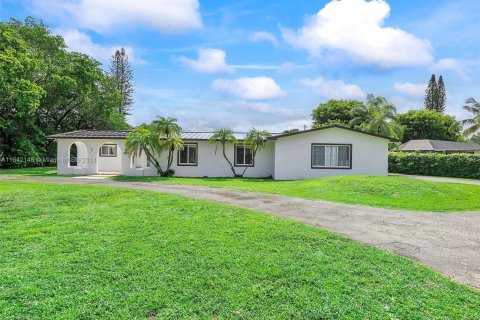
(448,242)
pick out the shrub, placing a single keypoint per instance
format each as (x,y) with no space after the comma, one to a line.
(435,164)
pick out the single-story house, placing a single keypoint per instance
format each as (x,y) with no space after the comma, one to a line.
(439,146)
(327,151)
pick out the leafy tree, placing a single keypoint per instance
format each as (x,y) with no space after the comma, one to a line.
(441,96)
(337,111)
(121,71)
(224,136)
(20,97)
(256,140)
(475,138)
(378,117)
(428,124)
(474,123)
(430,94)
(144,139)
(45,89)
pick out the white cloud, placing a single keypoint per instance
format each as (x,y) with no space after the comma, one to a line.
(81,42)
(411,89)
(264,36)
(357,28)
(255,88)
(209,61)
(106,15)
(333,89)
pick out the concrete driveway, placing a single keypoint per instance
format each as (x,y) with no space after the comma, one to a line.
(448,242)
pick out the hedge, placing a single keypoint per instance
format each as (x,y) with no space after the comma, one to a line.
(435,164)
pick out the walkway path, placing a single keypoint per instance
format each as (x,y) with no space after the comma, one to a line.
(449,242)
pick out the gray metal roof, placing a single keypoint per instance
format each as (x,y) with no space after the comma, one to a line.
(438,145)
(192,136)
(122,134)
(92,134)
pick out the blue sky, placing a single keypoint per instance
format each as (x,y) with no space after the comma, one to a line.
(268,63)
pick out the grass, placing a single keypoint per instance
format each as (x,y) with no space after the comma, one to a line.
(392,192)
(77,252)
(386,192)
(31,172)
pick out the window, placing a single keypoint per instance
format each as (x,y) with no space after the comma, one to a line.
(243,156)
(331,156)
(188,156)
(108,150)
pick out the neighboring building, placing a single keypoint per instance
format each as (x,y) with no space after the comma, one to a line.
(440,146)
(332,150)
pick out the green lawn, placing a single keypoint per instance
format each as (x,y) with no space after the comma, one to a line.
(77,252)
(391,192)
(31,172)
(386,192)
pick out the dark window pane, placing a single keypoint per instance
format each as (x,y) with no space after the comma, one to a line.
(192,154)
(183,154)
(73,155)
(248,156)
(240,155)
(343,156)
(319,156)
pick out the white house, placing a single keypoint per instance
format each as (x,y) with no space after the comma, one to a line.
(332,150)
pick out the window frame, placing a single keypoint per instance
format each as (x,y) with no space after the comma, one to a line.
(180,164)
(235,156)
(100,154)
(350,147)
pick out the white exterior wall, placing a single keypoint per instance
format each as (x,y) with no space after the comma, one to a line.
(209,164)
(284,159)
(293,154)
(89,161)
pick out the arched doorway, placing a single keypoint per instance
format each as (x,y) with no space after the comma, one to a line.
(72,159)
(77,155)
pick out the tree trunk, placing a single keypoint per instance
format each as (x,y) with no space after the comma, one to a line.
(229,162)
(155,162)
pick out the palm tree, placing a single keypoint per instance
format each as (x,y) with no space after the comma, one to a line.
(474,123)
(170,144)
(168,135)
(224,136)
(377,116)
(167,126)
(257,140)
(144,140)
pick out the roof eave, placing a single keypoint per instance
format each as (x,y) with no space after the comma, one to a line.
(331,127)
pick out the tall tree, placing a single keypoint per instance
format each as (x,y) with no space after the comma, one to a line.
(431,94)
(334,112)
(441,96)
(428,124)
(44,89)
(472,106)
(435,95)
(224,136)
(378,117)
(121,70)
